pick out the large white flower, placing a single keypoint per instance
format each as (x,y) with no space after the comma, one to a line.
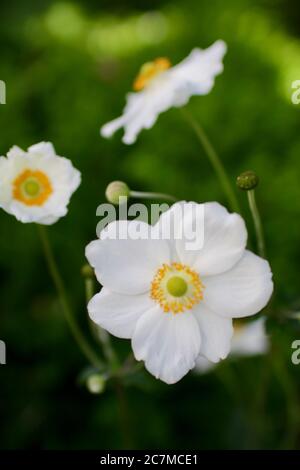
(160,87)
(36,186)
(249,339)
(176,303)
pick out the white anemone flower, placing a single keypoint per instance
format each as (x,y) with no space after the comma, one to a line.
(176,303)
(160,87)
(36,186)
(249,339)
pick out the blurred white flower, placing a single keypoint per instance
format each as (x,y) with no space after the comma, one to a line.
(249,339)
(36,186)
(175,303)
(160,87)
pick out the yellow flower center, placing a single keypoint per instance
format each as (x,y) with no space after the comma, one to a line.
(176,288)
(149,71)
(32,187)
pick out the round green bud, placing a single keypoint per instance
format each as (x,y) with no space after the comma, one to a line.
(115,190)
(95,383)
(247,180)
(87,271)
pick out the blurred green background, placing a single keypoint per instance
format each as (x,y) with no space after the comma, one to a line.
(67,67)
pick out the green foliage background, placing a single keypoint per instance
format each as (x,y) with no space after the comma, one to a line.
(67,67)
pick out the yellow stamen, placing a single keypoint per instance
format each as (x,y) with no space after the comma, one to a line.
(149,71)
(176,288)
(32,187)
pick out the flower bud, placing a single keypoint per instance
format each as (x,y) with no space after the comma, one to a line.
(247,180)
(87,271)
(95,383)
(115,190)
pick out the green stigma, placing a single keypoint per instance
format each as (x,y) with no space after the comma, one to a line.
(31,188)
(177,286)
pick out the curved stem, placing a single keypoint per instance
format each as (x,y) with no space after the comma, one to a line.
(257,223)
(58,282)
(145,195)
(214,160)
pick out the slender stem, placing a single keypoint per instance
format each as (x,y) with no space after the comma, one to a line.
(104,338)
(292,402)
(89,289)
(145,195)
(214,160)
(257,223)
(108,349)
(124,414)
(98,333)
(89,292)
(58,282)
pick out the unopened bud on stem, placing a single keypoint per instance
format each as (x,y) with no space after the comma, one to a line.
(115,190)
(247,180)
(95,383)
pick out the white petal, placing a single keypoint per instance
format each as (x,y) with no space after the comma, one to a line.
(250,339)
(199,69)
(170,225)
(42,149)
(117,313)
(174,87)
(224,240)
(15,151)
(50,220)
(127,266)
(64,179)
(243,290)
(111,127)
(205,236)
(216,333)
(169,344)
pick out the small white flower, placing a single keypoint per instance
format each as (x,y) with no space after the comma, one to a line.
(36,186)
(249,339)
(160,87)
(177,304)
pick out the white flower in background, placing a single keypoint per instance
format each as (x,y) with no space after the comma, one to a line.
(173,303)
(36,186)
(249,339)
(160,87)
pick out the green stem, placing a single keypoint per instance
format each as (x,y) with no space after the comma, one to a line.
(145,195)
(124,414)
(214,160)
(292,402)
(89,292)
(89,289)
(98,333)
(257,223)
(58,282)
(104,338)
